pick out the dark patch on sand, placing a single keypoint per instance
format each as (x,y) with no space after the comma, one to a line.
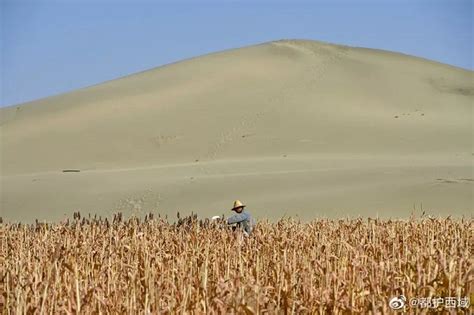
(445,86)
(71,171)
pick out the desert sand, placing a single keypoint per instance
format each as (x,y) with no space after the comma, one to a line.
(292,127)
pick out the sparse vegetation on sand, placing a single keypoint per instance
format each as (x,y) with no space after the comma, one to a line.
(140,266)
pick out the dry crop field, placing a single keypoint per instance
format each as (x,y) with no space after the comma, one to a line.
(135,266)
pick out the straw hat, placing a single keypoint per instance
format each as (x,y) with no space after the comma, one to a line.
(238,204)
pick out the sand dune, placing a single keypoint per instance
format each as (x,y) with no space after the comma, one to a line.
(290,127)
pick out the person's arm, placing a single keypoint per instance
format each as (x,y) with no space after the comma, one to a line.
(236,218)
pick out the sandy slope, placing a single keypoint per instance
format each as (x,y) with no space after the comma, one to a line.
(296,127)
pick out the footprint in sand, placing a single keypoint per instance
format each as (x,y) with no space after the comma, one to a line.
(161,140)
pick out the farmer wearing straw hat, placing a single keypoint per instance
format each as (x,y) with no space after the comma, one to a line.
(242,218)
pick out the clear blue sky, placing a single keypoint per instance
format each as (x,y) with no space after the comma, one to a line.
(51,47)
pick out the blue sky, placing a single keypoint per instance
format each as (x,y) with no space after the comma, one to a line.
(51,47)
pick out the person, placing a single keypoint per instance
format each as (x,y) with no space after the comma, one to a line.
(242,218)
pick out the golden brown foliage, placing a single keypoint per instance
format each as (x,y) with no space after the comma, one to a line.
(325,266)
